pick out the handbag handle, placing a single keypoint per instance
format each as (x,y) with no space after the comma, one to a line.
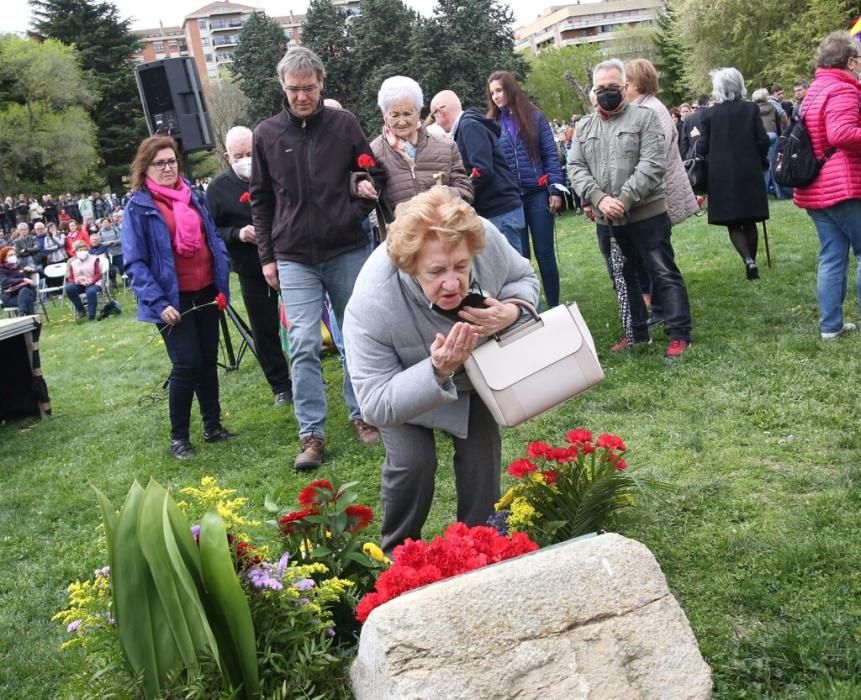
(511,330)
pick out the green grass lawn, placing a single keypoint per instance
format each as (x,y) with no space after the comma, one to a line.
(756,428)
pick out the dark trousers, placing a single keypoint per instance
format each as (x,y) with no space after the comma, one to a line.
(261,303)
(192,346)
(23,299)
(540,221)
(74,291)
(409,472)
(649,241)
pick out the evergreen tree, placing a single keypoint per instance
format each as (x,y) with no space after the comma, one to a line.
(670,56)
(559,80)
(46,136)
(106,49)
(381,41)
(261,46)
(325,33)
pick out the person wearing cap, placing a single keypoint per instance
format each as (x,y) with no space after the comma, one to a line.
(16,286)
(84,277)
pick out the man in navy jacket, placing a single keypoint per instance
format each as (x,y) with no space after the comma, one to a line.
(497,195)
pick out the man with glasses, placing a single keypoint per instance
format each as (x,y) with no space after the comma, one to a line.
(617,166)
(309,231)
(497,193)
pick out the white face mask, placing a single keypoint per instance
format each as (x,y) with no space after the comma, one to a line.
(82,255)
(12,259)
(242,168)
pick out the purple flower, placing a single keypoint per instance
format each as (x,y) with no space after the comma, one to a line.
(303,601)
(499,521)
(195,532)
(260,577)
(330,632)
(281,566)
(104,572)
(303,584)
(73,626)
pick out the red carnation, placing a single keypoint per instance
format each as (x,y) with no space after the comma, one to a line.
(359,517)
(611,442)
(543,180)
(578,436)
(475,174)
(364,161)
(551,476)
(221,301)
(246,555)
(520,468)
(537,449)
(246,197)
(315,492)
(621,464)
(291,521)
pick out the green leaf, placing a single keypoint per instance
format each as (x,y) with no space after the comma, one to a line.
(229,605)
(360,558)
(270,505)
(320,552)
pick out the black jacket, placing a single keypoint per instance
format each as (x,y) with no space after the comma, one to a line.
(496,188)
(230,216)
(300,186)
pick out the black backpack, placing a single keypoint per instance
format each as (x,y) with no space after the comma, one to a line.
(794,163)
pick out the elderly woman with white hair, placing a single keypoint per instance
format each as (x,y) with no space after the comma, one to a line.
(736,145)
(414,159)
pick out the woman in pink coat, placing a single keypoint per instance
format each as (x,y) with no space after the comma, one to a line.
(831,110)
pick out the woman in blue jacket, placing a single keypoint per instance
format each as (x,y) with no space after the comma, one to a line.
(527,142)
(177,262)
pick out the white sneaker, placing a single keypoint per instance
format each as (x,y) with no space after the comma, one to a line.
(847,328)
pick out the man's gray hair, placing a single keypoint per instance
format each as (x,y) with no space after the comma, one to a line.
(610,64)
(301,61)
(760,95)
(836,49)
(400,87)
(727,85)
(236,132)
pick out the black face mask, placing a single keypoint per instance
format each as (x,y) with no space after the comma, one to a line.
(609,100)
(474,300)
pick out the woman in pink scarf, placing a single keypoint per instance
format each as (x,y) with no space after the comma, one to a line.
(177,264)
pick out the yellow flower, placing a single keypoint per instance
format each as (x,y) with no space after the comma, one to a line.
(212,497)
(505,501)
(522,514)
(372,551)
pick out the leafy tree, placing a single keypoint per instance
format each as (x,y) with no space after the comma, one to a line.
(261,46)
(670,56)
(228,107)
(634,41)
(106,48)
(381,40)
(559,79)
(325,33)
(46,137)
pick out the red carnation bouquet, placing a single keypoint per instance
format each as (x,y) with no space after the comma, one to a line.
(329,528)
(568,491)
(460,549)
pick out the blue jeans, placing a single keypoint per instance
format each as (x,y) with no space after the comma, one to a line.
(512,225)
(838,226)
(73,291)
(540,223)
(303,288)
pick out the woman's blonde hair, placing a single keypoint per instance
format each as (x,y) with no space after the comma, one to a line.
(643,74)
(434,214)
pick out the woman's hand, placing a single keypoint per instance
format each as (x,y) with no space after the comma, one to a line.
(171,316)
(366,190)
(555,203)
(494,317)
(448,353)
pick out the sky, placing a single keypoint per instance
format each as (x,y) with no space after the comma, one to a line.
(15,14)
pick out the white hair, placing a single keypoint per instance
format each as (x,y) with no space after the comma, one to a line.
(236,132)
(760,95)
(610,64)
(727,85)
(399,87)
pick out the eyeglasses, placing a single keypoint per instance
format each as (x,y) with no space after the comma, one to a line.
(608,88)
(295,90)
(164,164)
(437,110)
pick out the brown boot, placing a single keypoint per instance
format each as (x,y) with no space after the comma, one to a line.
(367,434)
(311,455)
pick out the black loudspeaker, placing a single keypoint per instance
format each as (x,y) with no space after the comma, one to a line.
(173,102)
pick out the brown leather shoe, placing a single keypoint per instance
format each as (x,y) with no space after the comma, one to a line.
(311,455)
(367,434)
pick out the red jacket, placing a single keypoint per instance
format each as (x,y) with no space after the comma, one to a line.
(832,113)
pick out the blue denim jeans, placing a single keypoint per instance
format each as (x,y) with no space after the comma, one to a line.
(73,292)
(839,227)
(540,223)
(512,225)
(303,288)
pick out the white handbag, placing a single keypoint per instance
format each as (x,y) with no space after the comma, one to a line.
(535,366)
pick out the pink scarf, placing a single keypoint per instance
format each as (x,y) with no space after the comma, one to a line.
(187,240)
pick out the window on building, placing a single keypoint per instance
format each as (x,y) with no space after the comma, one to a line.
(288,33)
(201,24)
(207,57)
(204,40)
(158,47)
(172,43)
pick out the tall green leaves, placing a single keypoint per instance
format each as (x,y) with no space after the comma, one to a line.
(261,46)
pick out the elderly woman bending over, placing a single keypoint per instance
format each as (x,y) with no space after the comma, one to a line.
(421,304)
(414,159)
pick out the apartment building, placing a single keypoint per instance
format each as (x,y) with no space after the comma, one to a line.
(583,22)
(210,35)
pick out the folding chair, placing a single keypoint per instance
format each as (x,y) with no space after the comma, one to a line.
(54,280)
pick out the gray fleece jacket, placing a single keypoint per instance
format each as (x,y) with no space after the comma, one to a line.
(389,327)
